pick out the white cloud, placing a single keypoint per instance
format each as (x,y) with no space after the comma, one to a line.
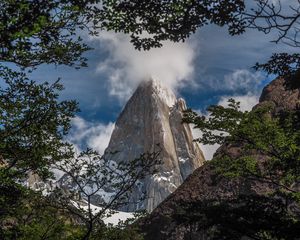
(173,64)
(238,80)
(242,79)
(88,134)
(247,102)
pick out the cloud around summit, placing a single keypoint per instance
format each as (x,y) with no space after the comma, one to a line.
(125,67)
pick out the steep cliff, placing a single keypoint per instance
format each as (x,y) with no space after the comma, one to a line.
(153,116)
(204,186)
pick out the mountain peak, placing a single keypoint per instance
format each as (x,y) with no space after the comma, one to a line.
(204,189)
(158,89)
(153,116)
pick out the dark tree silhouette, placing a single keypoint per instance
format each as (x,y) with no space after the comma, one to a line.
(89,174)
(269,154)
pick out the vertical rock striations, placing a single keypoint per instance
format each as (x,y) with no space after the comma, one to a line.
(206,186)
(153,116)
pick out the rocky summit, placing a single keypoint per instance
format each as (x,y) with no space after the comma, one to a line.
(153,117)
(173,218)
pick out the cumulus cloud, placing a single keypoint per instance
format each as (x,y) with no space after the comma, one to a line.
(173,64)
(236,81)
(89,134)
(245,81)
(247,102)
(242,79)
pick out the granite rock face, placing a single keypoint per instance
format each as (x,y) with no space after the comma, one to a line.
(205,185)
(153,116)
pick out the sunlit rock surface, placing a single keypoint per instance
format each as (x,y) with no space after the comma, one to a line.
(153,116)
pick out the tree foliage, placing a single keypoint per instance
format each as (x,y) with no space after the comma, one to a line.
(89,175)
(36,32)
(248,216)
(149,23)
(34,217)
(273,136)
(168,20)
(269,153)
(33,33)
(34,122)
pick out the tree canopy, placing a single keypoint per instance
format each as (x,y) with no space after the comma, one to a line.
(268,154)
(33,122)
(37,32)
(34,32)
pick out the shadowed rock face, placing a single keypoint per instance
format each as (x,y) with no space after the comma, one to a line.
(153,116)
(205,186)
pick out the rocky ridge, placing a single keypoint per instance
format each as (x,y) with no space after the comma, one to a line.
(153,116)
(204,185)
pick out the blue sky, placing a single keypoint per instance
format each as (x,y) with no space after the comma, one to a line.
(207,69)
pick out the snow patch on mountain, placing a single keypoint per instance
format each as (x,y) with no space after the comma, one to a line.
(110,217)
(153,117)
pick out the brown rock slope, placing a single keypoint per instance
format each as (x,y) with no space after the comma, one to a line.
(204,186)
